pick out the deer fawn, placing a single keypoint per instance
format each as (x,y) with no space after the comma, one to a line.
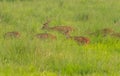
(45,36)
(13,34)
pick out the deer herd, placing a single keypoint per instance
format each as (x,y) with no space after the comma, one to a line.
(65,30)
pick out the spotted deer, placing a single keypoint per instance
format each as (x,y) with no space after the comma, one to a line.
(79,39)
(103,32)
(45,36)
(116,35)
(107,31)
(13,34)
(61,29)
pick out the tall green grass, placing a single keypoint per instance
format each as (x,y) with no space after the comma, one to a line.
(28,56)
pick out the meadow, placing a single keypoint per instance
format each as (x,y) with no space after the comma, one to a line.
(28,56)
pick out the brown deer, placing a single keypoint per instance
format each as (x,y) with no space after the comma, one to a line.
(107,31)
(13,34)
(61,29)
(116,35)
(45,36)
(79,39)
(103,32)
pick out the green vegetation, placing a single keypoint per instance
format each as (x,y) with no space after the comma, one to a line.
(27,56)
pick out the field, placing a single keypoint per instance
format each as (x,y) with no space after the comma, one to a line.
(28,56)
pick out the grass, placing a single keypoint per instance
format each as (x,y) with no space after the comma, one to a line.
(27,56)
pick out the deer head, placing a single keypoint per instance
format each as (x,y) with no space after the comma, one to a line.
(45,25)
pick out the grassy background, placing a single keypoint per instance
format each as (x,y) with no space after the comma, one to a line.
(27,56)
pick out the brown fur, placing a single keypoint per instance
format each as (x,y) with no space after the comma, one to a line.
(83,40)
(62,29)
(45,36)
(103,32)
(106,31)
(13,34)
(80,39)
(116,35)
